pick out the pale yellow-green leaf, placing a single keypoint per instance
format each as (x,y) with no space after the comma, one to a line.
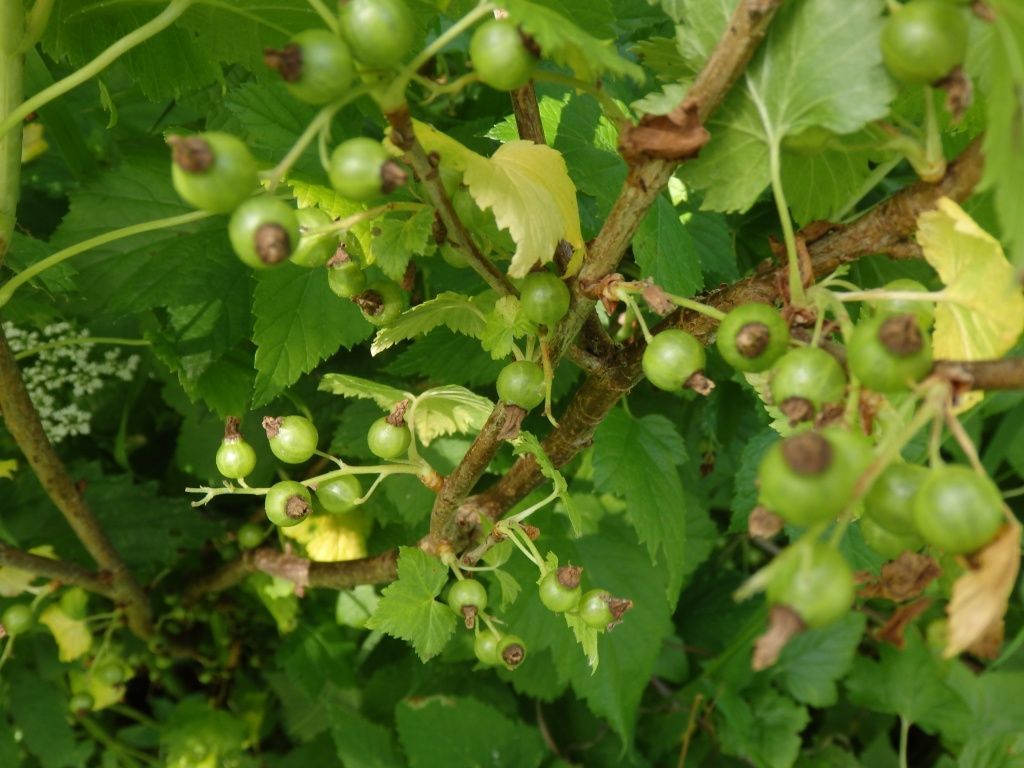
(337,207)
(982,314)
(353,386)
(327,538)
(527,186)
(103,694)
(72,635)
(14,581)
(447,410)
(7,468)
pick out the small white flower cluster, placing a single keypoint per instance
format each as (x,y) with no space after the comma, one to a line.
(60,378)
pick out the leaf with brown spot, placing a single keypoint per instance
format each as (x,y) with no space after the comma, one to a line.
(676,136)
(903,578)
(892,631)
(980,595)
(783,625)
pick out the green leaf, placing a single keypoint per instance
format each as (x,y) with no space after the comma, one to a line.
(813,661)
(458,313)
(637,460)
(446,411)
(907,683)
(299,322)
(527,186)
(362,743)
(279,598)
(408,609)
(665,251)
(505,324)
(565,43)
(474,734)
(762,728)
(510,587)
(1004,134)
(396,241)
(820,65)
(353,386)
(818,185)
(447,357)
(40,712)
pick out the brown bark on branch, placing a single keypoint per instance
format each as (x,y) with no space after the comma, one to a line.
(56,570)
(983,374)
(527,113)
(343,574)
(23,423)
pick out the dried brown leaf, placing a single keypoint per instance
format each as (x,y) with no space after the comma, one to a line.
(657,299)
(783,625)
(980,595)
(892,631)
(903,578)
(676,136)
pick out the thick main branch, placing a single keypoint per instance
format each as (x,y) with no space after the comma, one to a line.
(23,422)
(57,570)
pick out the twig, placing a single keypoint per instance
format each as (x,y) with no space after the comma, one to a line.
(527,112)
(57,570)
(404,137)
(11,90)
(24,424)
(343,574)
(444,520)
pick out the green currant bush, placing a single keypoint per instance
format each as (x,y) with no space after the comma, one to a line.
(293,439)
(287,503)
(511,651)
(816,582)
(560,590)
(387,441)
(752,337)
(340,494)
(923,310)
(250,536)
(382,302)
(17,619)
(805,379)
(500,56)
(380,32)
(316,66)
(212,171)
(522,383)
(485,647)
(923,40)
(889,353)
(313,251)
(671,358)
(356,168)
(885,542)
(889,502)
(346,278)
(808,478)
(544,298)
(957,510)
(467,593)
(263,232)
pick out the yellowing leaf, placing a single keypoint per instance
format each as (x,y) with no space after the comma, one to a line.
(982,313)
(980,595)
(72,635)
(14,581)
(327,538)
(7,468)
(528,187)
(447,410)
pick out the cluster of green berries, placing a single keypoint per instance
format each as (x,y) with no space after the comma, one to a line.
(293,440)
